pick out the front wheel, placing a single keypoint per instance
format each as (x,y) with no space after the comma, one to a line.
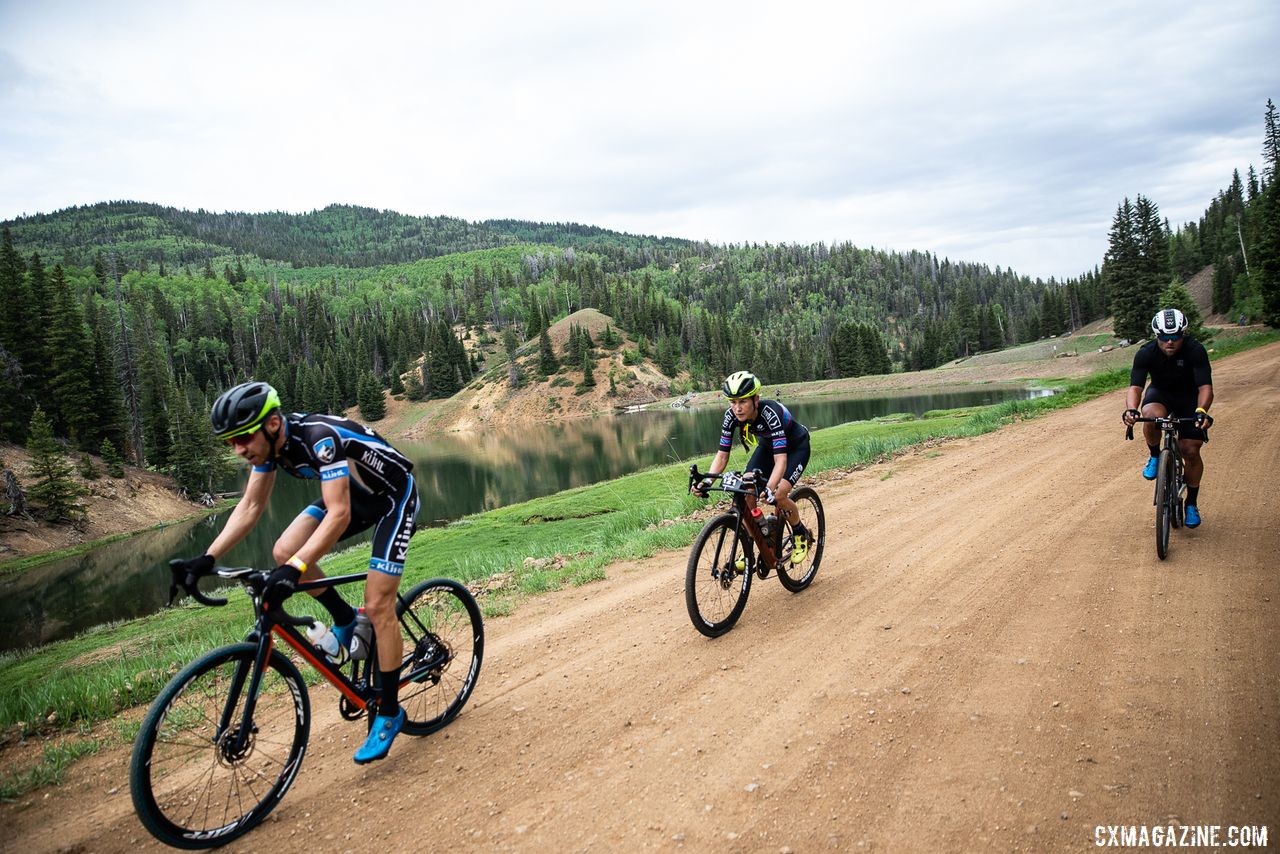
(800,561)
(199,775)
(1166,494)
(443,647)
(718,577)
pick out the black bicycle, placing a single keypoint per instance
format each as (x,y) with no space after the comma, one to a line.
(224,739)
(746,541)
(1171,485)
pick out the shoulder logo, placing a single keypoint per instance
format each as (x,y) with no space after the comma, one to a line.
(325,450)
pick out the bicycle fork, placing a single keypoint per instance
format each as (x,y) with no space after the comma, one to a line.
(239,746)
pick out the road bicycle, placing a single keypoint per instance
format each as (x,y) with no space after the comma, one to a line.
(1171,486)
(743,542)
(224,739)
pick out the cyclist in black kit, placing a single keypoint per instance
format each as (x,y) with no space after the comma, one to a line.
(780,458)
(364,482)
(1181,384)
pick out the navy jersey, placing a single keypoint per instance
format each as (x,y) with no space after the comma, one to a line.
(1181,374)
(773,422)
(325,447)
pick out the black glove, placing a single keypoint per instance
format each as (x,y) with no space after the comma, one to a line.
(703,487)
(1203,419)
(281,584)
(1130,412)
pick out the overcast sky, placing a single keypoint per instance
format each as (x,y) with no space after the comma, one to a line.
(999,132)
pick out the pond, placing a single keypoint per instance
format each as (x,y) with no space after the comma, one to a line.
(458,474)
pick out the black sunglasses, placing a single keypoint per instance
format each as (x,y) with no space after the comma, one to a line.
(1177,336)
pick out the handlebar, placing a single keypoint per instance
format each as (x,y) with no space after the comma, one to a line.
(1166,419)
(254,580)
(730,481)
(187,580)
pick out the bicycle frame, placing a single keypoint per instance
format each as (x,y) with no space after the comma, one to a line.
(742,488)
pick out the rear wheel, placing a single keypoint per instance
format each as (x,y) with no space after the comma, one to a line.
(1166,494)
(718,577)
(443,648)
(797,569)
(195,782)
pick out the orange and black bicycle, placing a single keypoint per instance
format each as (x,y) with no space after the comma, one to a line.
(223,741)
(747,541)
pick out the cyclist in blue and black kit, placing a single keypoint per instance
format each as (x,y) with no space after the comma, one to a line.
(779,446)
(1181,385)
(364,482)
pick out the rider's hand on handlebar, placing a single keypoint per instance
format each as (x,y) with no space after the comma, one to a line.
(198,566)
(1130,416)
(1203,419)
(281,584)
(768,496)
(702,488)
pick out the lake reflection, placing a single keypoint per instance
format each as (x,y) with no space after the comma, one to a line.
(457,474)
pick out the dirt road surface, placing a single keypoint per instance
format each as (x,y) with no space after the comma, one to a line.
(991,658)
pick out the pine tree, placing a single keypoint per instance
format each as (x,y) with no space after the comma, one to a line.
(111,459)
(1267,253)
(547,362)
(373,407)
(588,370)
(70,380)
(13,296)
(1126,281)
(55,490)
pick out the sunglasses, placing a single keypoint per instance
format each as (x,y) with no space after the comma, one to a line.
(241,441)
(1177,336)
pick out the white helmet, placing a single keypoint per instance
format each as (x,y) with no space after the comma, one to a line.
(1168,321)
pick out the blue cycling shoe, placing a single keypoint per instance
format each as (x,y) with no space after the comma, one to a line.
(344,633)
(1192,516)
(384,731)
(1149,470)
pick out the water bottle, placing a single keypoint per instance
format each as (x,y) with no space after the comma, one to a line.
(362,637)
(325,641)
(766,524)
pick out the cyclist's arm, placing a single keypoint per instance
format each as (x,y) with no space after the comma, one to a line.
(1133,397)
(1204,397)
(246,512)
(337,504)
(779,469)
(718,464)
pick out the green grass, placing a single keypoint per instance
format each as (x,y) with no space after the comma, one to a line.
(49,770)
(95,675)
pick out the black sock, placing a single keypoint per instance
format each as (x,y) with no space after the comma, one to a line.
(338,608)
(1193,492)
(389,702)
(1155,450)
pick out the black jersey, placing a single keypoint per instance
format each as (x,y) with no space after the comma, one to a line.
(773,422)
(1180,374)
(326,447)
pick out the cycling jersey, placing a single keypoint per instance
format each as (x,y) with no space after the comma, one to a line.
(773,421)
(326,447)
(1180,374)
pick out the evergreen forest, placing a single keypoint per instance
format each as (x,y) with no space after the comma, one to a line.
(121,321)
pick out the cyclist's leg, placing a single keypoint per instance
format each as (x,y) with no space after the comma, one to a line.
(386,565)
(756,466)
(797,459)
(293,538)
(1154,405)
(390,544)
(1192,462)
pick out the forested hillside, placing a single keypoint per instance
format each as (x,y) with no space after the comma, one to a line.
(122,321)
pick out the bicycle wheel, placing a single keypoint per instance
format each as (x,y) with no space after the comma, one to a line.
(718,578)
(443,647)
(1165,495)
(796,576)
(191,787)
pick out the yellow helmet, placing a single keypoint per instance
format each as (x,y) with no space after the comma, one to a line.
(740,385)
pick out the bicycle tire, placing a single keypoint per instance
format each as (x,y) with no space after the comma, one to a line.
(443,649)
(1164,486)
(187,790)
(797,576)
(715,587)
